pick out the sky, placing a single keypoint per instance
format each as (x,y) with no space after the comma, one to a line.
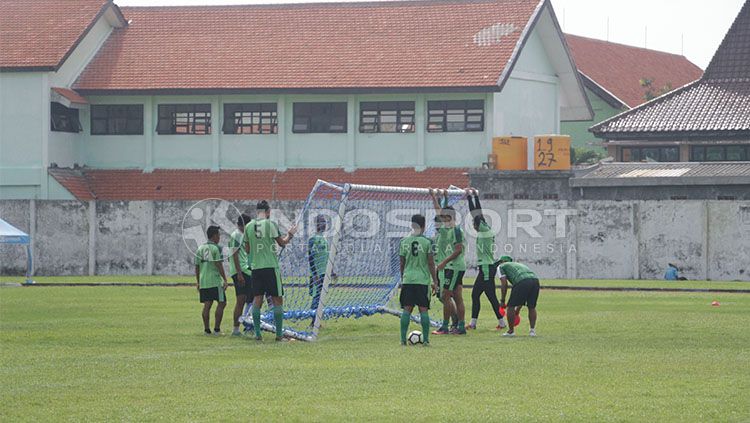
(688,27)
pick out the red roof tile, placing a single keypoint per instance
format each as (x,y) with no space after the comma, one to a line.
(392,44)
(595,59)
(71,95)
(41,33)
(293,184)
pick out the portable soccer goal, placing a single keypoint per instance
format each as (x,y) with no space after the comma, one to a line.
(362,226)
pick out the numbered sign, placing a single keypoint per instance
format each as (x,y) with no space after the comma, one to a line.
(552,152)
(511,152)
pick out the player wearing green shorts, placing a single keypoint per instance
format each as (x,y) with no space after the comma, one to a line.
(260,241)
(211,282)
(239,271)
(525,291)
(417,273)
(455,267)
(442,248)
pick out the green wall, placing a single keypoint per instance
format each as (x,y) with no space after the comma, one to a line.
(579,131)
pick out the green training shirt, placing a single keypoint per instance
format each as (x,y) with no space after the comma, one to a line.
(516,272)
(235,243)
(485,245)
(318,254)
(415,250)
(205,258)
(260,235)
(441,245)
(456,236)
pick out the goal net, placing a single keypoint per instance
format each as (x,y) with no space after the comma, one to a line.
(343,263)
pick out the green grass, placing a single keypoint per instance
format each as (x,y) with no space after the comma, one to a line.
(137,354)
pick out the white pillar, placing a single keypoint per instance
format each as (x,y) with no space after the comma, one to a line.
(216,124)
(92,237)
(150,119)
(351,131)
(282,117)
(420,113)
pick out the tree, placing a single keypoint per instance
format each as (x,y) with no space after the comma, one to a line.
(581,156)
(650,92)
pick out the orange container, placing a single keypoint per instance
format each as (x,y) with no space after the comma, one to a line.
(552,152)
(512,153)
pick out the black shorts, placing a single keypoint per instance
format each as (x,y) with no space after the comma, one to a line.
(212,294)
(246,289)
(415,295)
(525,293)
(453,278)
(267,282)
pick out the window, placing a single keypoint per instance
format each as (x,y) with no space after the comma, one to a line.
(119,119)
(250,118)
(719,153)
(64,119)
(182,119)
(656,154)
(319,118)
(386,116)
(520,196)
(455,116)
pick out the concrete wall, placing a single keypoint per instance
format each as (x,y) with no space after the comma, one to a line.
(599,239)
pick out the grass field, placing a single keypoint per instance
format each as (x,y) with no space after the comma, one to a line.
(137,354)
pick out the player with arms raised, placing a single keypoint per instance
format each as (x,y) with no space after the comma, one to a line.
(442,248)
(260,240)
(417,272)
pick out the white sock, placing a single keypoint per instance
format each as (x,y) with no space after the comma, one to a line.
(236,329)
(473,322)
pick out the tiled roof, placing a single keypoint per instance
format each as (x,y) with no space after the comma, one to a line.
(594,59)
(716,105)
(294,184)
(375,45)
(70,95)
(40,33)
(683,173)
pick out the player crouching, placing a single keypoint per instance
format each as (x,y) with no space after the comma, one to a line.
(525,291)
(417,270)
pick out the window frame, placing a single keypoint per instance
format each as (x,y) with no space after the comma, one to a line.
(699,153)
(641,153)
(439,115)
(402,110)
(64,119)
(108,119)
(234,125)
(167,115)
(303,112)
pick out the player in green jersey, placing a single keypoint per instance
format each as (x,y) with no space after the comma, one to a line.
(260,240)
(455,267)
(485,281)
(211,282)
(525,291)
(239,271)
(317,259)
(441,249)
(417,274)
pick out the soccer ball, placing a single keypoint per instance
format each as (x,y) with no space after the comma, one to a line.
(414,338)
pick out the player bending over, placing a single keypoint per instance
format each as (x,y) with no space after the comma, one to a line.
(455,267)
(417,272)
(260,240)
(211,282)
(239,271)
(485,282)
(442,247)
(317,259)
(525,291)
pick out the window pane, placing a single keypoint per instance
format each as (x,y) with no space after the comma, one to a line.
(736,153)
(671,154)
(627,155)
(650,154)
(714,154)
(698,154)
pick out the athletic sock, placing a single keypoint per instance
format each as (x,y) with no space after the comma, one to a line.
(425,318)
(473,322)
(256,321)
(405,317)
(278,319)
(208,331)
(454,320)
(461,325)
(445,324)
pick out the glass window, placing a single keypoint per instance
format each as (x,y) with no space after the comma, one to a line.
(736,153)
(319,118)
(250,118)
(670,154)
(714,153)
(386,117)
(697,154)
(117,119)
(455,116)
(64,119)
(184,119)
(656,154)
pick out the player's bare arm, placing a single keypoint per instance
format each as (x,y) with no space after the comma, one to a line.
(198,278)
(457,250)
(284,240)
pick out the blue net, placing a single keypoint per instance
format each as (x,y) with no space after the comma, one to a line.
(343,262)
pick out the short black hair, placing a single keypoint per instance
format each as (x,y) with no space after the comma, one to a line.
(243,220)
(263,205)
(449,212)
(320,223)
(212,230)
(419,220)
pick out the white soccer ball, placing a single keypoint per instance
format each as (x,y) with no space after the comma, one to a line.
(414,338)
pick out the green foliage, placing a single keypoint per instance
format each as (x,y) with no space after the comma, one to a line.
(580,156)
(137,354)
(651,93)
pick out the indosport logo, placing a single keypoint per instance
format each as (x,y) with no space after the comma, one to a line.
(205,213)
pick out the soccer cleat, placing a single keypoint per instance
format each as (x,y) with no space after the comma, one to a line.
(281,339)
(471,327)
(207,332)
(509,334)
(236,333)
(403,343)
(426,344)
(501,324)
(441,331)
(458,331)
(258,338)
(532,333)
